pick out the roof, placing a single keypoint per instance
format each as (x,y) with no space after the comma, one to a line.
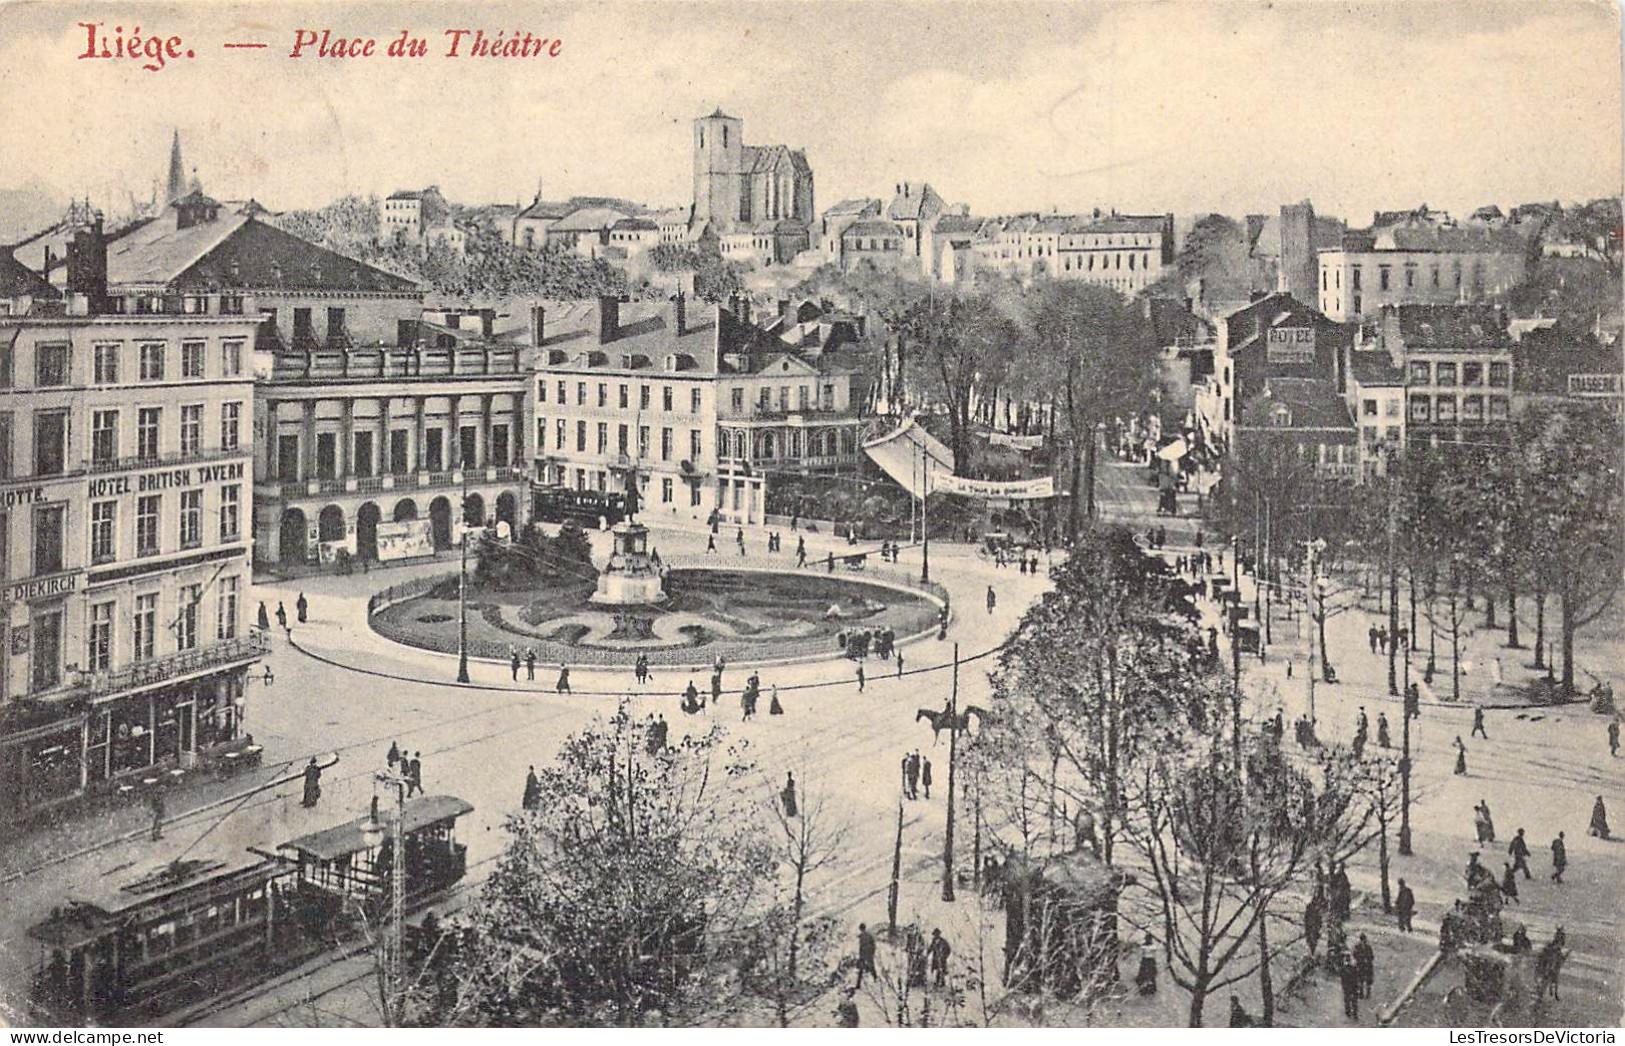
(588,219)
(347,838)
(718,114)
(1374,367)
(1452,327)
(872,227)
(406,194)
(238,251)
(1546,357)
(674,216)
(1314,403)
(857,205)
(952,223)
(643,224)
(18,280)
(1479,239)
(1153,223)
(545,209)
(915,202)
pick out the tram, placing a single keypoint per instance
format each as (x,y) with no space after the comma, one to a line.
(586,508)
(192,929)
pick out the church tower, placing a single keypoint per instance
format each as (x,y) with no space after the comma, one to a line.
(177,173)
(718,165)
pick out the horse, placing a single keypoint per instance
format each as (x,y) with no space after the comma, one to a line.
(942,720)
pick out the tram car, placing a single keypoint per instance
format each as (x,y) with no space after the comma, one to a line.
(192,929)
(593,509)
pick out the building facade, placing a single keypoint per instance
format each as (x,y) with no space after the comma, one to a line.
(738,183)
(1458,363)
(1420,264)
(125,499)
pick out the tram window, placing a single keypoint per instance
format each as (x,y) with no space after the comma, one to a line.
(254,904)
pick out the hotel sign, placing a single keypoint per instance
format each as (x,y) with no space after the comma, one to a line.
(1290,344)
(165,479)
(30,589)
(1596,385)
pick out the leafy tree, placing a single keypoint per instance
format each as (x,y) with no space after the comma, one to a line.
(630,892)
(962,345)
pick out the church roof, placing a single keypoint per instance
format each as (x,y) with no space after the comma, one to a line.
(718,114)
(589,219)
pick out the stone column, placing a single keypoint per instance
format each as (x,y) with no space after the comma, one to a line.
(385,465)
(346,462)
(485,430)
(422,425)
(307,442)
(268,419)
(455,458)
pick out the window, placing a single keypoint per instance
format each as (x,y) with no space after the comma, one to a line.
(99,648)
(738,401)
(50,442)
(623,399)
(5,363)
(1421,373)
(146,626)
(581,394)
(225,626)
(51,365)
(1444,409)
(1500,375)
(828,402)
(1498,408)
(47,653)
(1355,303)
(147,510)
(764,398)
(603,437)
(1368,408)
(147,421)
(665,490)
(191,359)
(603,395)
(1446,374)
(1383,276)
(665,398)
(801,397)
(1472,374)
(5,442)
(49,538)
(191,428)
(335,323)
(1356,284)
(581,436)
(152,361)
(103,532)
(231,417)
(106,364)
(186,623)
(231,358)
(693,401)
(1410,276)
(1391,432)
(643,441)
(665,444)
(1472,408)
(643,397)
(1391,409)
(694,446)
(191,518)
(231,513)
(560,434)
(541,391)
(1435,277)
(1420,408)
(103,436)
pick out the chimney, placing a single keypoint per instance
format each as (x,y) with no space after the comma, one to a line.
(679,310)
(87,264)
(744,308)
(685,284)
(609,319)
(538,325)
(784,308)
(488,319)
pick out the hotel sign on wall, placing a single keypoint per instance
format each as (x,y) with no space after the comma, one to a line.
(1596,385)
(165,479)
(1290,344)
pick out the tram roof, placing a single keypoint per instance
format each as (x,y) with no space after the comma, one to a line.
(348,838)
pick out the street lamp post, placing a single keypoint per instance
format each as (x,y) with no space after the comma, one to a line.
(1405,762)
(953,758)
(462,582)
(925,523)
(372,834)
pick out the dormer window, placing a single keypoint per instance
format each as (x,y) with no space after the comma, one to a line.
(1281,417)
(276,273)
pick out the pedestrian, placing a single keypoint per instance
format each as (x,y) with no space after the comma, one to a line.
(866,953)
(904,771)
(1613,732)
(414,774)
(1382,639)
(1371,637)
(716,686)
(911,770)
(264,618)
(1599,820)
(691,699)
(1560,858)
(1365,964)
(394,755)
(1383,739)
(860,677)
(1239,1017)
(300,607)
(513,661)
(1312,922)
(1478,724)
(281,616)
(1483,823)
(898,655)
(829,562)
(1519,849)
(711,542)
(925,776)
(1022,563)
(563,685)
(1509,883)
(313,784)
(533,790)
(773,706)
(1341,894)
(1145,978)
(846,1012)
(992,599)
(158,814)
(1349,977)
(1405,906)
(1461,758)
(939,952)
(530,664)
(789,795)
(801,552)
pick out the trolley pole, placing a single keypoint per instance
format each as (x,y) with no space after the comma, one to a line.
(953,753)
(462,583)
(394,986)
(925,526)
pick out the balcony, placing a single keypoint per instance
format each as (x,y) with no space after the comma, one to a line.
(757,412)
(175,457)
(181,665)
(297,489)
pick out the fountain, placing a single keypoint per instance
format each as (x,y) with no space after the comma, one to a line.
(632,577)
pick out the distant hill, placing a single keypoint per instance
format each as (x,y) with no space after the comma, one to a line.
(27,209)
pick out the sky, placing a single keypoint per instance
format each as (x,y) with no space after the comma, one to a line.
(1140,106)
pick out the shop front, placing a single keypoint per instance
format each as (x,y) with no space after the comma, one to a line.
(41,765)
